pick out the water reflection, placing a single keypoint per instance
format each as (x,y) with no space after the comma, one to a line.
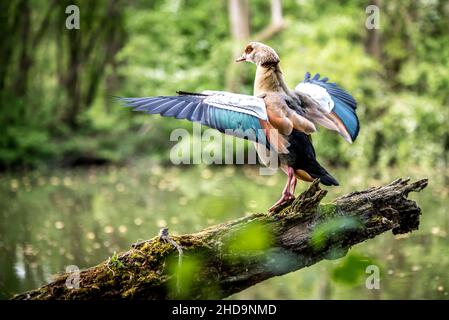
(80,217)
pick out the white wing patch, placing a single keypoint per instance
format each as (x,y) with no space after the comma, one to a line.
(319,94)
(237,102)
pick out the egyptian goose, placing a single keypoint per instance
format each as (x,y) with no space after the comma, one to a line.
(276,118)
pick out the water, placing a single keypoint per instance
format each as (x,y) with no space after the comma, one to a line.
(80,217)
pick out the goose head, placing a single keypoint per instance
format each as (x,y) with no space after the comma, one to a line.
(259,54)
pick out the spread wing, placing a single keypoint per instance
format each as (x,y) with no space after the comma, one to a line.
(327,104)
(239,115)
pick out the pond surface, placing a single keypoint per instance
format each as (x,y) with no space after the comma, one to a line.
(51,220)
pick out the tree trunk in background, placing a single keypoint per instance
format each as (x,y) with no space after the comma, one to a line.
(115,40)
(446,148)
(24,57)
(240,32)
(372,40)
(324,288)
(9,24)
(71,79)
(276,25)
(89,55)
(114,37)
(239,17)
(276,12)
(17,32)
(29,41)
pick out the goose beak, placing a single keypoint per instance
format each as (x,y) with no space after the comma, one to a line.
(240,59)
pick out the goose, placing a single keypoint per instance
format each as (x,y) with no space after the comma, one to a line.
(279,120)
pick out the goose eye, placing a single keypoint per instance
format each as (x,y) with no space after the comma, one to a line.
(248,50)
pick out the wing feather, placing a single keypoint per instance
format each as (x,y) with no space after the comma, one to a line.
(236,114)
(327,104)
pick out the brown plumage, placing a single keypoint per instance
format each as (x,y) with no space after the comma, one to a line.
(286,114)
(282,117)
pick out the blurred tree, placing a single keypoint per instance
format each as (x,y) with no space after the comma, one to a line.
(239,17)
(55,84)
(89,53)
(372,41)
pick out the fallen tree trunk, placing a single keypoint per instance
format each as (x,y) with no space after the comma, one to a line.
(227,258)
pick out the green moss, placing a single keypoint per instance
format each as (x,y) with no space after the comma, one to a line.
(81,293)
(129,293)
(115,264)
(156,248)
(151,277)
(190,241)
(136,255)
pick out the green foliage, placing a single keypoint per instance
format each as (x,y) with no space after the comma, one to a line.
(254,237)
(327,230)
(352,269)
(184,274)
(155,48)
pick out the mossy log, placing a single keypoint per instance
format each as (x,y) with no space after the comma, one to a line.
(227,258)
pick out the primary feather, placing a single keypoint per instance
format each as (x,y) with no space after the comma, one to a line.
(334,101)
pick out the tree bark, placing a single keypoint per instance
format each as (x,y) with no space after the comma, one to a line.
(227,258)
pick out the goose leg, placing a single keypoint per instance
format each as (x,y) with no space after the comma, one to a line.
(286,193)
(293,185)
